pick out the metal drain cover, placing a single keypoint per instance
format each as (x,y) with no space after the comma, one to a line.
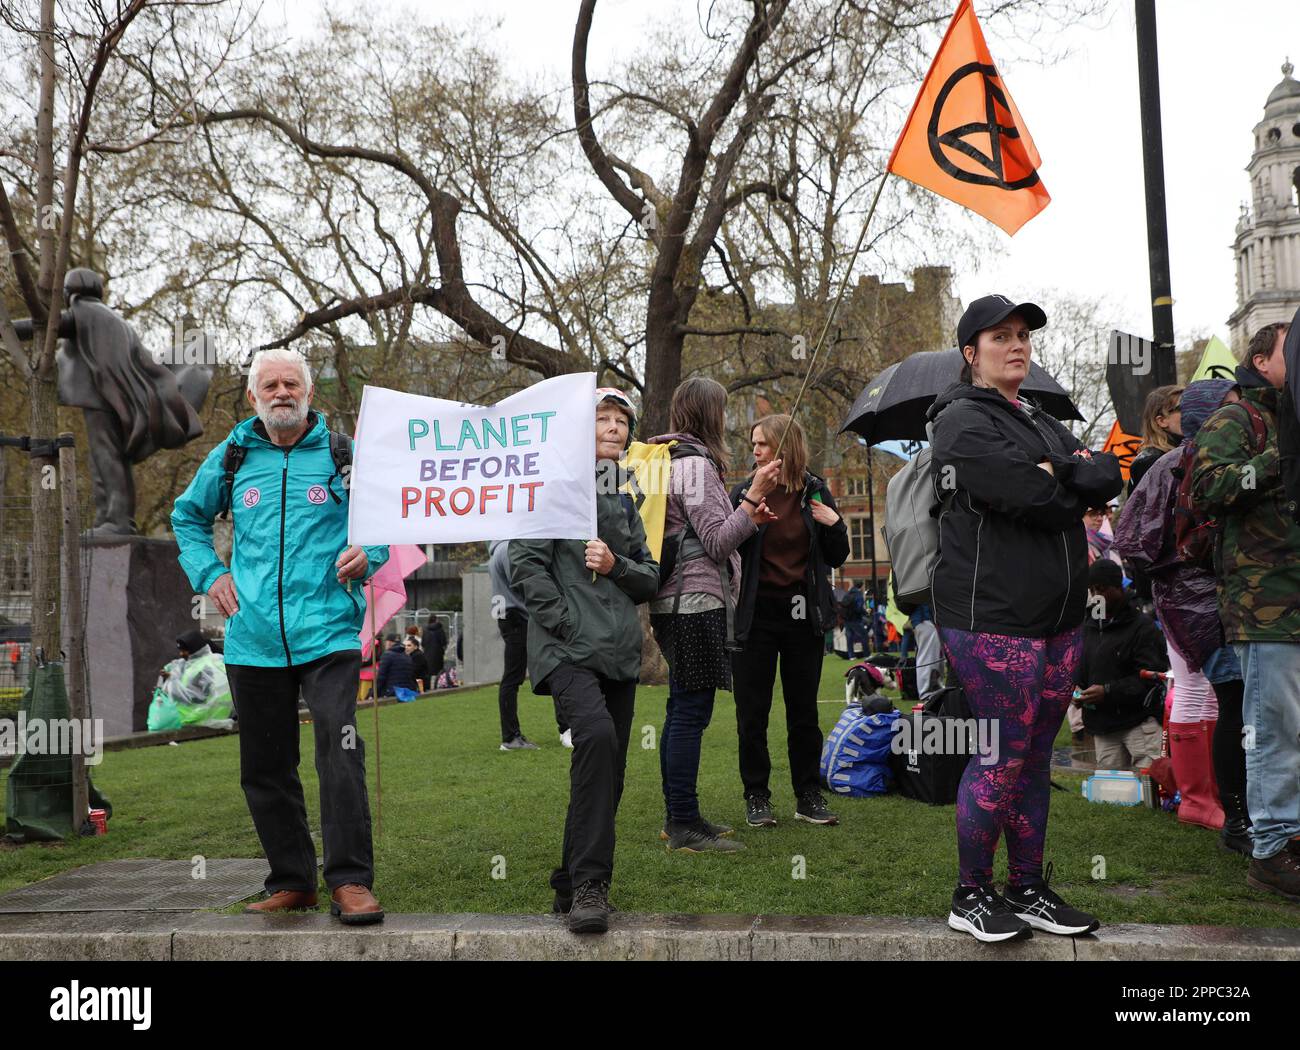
(141,885)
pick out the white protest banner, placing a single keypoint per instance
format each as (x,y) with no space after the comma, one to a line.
(426,470)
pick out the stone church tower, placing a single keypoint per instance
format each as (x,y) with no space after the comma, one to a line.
(1268,233)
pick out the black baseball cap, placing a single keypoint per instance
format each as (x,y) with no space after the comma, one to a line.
(989,310)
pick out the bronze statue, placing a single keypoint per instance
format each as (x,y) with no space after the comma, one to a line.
(133,405)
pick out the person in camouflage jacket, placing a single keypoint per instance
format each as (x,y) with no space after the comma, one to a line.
(1257,562)
(1258,557)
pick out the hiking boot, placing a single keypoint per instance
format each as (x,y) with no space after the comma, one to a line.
(1235,835)
(699,838)
(1044,910)
(979,911)
(812,808)
(519,744)
(1278,874)
(723,831)
(590,910)
(758,812)
(562,905)
(283,900)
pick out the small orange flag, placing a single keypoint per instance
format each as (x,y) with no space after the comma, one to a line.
(965,139)
(1124,446)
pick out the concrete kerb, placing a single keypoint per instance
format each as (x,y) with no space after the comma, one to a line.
(212,936)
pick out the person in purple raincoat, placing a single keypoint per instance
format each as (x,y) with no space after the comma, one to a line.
(1187,603)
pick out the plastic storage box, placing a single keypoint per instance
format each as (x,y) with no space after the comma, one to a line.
(1118,786)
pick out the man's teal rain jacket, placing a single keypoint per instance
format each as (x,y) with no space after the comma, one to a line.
(290,510)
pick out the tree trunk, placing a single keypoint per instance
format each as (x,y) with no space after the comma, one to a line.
(47,517)
(654,671)
(663,364)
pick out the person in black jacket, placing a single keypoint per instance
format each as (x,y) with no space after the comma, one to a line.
(1009,589)
(784,612)
(419,665)
(394,669)
(1119,641)
(435,646)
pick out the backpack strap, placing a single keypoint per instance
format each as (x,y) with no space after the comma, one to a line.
(1254,424)
(231,460)
(1258,426)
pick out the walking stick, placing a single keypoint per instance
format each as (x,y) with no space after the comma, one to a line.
(374,697)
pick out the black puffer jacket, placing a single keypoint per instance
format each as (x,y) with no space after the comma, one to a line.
(1114,651)
(828,548)
(1013,556)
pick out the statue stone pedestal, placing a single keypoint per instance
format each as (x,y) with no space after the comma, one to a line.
(137,601)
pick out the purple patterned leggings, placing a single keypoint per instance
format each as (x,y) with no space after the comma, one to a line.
(1025,684)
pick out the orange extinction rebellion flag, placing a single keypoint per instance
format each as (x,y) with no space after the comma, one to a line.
(965,139)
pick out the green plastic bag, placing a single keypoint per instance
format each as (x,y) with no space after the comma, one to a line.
(199,688)
(163,713)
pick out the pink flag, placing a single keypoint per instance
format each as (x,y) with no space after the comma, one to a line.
(389,590)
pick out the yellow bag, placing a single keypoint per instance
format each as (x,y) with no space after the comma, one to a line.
(647,469)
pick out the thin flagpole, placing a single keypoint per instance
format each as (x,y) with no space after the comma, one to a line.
(374,696)
(835,305)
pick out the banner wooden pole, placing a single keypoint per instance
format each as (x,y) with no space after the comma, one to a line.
(835,305)
(374,696)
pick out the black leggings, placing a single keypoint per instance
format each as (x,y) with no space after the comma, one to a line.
(1229,754)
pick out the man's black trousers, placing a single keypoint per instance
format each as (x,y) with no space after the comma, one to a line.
(266,700)
(599,712)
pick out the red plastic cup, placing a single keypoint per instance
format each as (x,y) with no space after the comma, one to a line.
(99,818)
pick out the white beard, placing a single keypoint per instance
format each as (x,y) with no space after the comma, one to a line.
(281,417)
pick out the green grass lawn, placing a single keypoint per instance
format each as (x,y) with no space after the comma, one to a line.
(455,807)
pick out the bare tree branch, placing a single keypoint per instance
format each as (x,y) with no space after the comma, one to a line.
(596,156)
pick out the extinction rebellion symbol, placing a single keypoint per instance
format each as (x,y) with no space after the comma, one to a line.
(956,139)
(316,494)
(251,497)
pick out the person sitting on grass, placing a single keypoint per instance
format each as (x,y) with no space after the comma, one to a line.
(419,665)
(394,670)
(1119,640)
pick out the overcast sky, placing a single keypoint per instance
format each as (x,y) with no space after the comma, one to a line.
(1218,62)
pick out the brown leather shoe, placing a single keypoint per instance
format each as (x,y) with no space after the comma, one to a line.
(355,905)
(283,900)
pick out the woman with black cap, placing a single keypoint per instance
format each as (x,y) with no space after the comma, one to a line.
(1009,588)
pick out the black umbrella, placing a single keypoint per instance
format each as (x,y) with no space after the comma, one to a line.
(894,404)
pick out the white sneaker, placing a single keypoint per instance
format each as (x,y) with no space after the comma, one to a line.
(566,738)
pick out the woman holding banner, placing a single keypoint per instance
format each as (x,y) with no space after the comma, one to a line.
(584,649)
(784,611)
(694,612)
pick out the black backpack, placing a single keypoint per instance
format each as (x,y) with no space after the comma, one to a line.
(933,778)
(233,459)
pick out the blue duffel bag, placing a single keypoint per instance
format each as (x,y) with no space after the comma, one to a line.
(855,757)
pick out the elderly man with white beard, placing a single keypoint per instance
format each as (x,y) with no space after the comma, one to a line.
(294,610)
